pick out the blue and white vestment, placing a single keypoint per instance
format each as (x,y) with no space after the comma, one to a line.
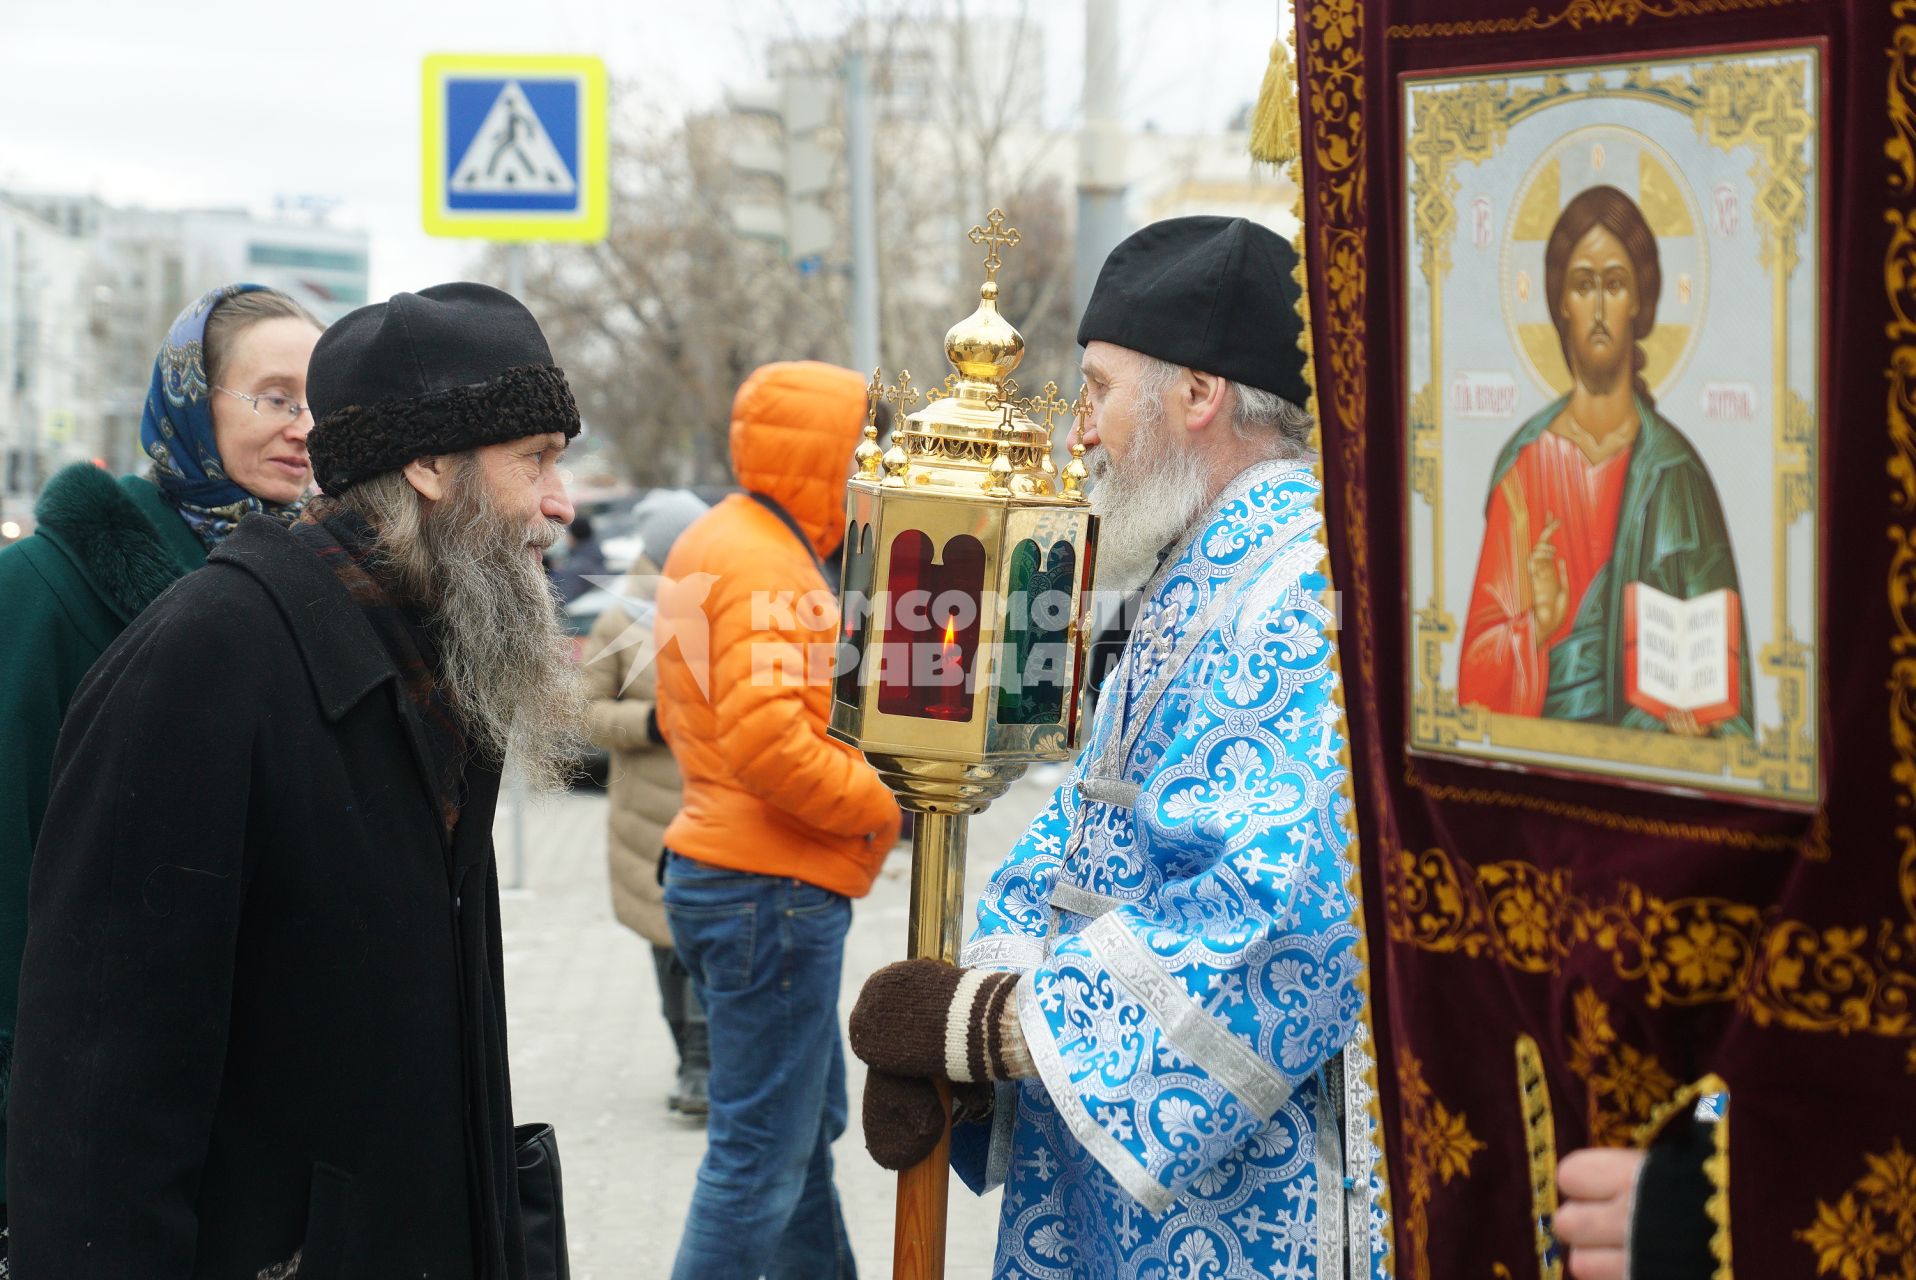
(1182,911)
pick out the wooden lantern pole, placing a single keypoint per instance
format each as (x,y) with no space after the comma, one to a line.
(937,927)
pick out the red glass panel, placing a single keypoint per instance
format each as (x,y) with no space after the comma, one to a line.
(929,660)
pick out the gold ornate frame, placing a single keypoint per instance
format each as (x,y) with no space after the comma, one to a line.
(1735,101)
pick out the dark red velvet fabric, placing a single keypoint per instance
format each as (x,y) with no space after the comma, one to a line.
(1570,904)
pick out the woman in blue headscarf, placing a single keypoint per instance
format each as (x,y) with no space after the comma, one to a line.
(226,420)
(225,426)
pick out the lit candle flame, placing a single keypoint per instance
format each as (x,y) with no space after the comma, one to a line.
(951,631)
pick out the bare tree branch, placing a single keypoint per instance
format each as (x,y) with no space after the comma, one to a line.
(659,324)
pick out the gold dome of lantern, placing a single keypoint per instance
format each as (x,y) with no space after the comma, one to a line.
(984,346)
(976,434)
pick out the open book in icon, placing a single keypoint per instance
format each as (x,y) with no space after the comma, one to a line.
(1680,655)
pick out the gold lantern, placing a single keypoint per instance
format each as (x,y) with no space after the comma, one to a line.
(967,571)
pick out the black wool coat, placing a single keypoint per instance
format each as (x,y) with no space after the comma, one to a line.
(261,1008)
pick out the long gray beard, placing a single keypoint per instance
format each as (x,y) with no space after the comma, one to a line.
(1145,504)
(505,663)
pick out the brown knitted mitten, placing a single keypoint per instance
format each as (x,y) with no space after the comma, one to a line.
(904,1118)
(935,1021)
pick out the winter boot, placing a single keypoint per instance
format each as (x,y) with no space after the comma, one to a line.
(695,1064)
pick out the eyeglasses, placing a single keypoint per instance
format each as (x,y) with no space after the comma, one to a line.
(271,408)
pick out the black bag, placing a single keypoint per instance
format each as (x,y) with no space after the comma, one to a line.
(541,1202)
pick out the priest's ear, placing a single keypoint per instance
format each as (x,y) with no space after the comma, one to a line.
(429,476)
(1199,399)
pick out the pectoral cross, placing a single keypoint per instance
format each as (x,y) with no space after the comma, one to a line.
(993,234)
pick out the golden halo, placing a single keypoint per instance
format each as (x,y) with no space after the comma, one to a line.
(1671,208)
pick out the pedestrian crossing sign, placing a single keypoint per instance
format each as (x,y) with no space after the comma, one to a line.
(515,147)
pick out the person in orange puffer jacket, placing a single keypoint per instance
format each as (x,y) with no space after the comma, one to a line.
(780,825)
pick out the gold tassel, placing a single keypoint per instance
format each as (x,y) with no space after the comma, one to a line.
(1274,125)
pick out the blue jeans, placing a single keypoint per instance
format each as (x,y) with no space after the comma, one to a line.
(765,954)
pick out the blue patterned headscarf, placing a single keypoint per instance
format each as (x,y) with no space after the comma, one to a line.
(176,430)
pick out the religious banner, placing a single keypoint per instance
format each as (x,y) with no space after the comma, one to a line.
(1613,312)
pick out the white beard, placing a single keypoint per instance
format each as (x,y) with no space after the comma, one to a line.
(1145,504)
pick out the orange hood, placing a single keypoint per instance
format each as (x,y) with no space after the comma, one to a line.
(794,426)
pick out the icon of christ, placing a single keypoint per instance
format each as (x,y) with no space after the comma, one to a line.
(1606,590)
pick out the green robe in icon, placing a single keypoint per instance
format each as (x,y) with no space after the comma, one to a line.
(1670,535)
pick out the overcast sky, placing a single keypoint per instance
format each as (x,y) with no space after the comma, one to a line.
(234,102)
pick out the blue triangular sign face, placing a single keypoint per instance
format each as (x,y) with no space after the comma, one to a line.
(512,153)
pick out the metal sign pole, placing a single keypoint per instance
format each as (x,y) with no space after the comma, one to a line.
(516,270)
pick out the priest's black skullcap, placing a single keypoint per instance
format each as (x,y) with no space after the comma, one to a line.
(440,371)
(1209,293)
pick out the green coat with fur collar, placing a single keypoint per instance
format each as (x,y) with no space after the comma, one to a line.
(104,550)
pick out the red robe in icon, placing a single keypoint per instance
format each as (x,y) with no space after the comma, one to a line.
(1504,668)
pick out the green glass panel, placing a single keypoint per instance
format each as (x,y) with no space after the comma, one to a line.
(854,611)
(1037,624)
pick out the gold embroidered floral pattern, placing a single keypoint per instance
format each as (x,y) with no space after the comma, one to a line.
(1704,955)
(1580,14)
(1525,903)
(1331,56)
(1899,275)
(1623,1086)
(1870,1232)
(1685,951)
(1438,1147)
(1333,25)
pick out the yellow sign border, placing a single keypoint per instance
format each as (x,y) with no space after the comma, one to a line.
(594,214)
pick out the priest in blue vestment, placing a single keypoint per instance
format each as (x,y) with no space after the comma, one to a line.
(1157,1040)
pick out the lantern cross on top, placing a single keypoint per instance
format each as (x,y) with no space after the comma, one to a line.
(1005,396)
(1047,404)
(993,234)
(1075,471)
(901,397)
(868,453)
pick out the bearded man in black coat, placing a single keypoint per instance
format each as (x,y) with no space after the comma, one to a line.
(262,1025)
